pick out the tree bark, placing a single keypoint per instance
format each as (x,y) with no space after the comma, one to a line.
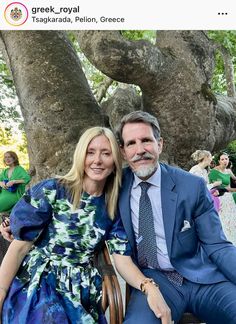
(55,98)
(124,100)
(101,92)
(229,72)
(174,76)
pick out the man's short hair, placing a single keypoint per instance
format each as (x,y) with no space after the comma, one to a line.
(138,116)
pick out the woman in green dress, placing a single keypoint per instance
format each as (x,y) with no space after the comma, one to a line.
(227,210)
(222,173)
(13,180)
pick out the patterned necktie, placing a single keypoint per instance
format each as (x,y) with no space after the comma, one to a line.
(147,247)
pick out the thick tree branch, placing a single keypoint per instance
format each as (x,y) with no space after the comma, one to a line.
(225,124)
(121,59)
(101,91)
(124,100)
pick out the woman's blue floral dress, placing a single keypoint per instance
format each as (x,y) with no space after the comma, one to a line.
(57,282)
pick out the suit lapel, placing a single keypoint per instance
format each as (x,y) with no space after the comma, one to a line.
(124,206)
(168,201)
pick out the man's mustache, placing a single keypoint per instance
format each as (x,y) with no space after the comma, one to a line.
(145,156)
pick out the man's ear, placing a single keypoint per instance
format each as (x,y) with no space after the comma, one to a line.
(160,145)
(123,152)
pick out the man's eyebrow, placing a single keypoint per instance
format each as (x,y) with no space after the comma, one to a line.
(146,138)
(130,142)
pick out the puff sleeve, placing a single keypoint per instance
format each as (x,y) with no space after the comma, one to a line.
(117,239)
(33,211)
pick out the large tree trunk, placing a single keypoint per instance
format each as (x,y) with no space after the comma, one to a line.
(54,96)
(174,76)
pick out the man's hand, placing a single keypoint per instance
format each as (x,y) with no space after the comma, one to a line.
(6,231)
(157,303)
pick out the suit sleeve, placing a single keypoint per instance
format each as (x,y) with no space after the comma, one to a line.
(211,235)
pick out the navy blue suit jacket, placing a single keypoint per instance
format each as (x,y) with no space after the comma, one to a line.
(201,253)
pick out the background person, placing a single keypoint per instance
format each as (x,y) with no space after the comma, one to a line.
(13,180)
(223,173)
(224,204)
(204,159)
(227,210)
(232,181)
(59,225)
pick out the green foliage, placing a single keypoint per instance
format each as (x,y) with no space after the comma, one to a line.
(9,108)
(10,112)
(149,35)
(225,38)
(231,150)
(12,136)
(228,40)
(5,74)
(93,75)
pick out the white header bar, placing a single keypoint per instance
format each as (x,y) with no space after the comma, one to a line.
(118,15)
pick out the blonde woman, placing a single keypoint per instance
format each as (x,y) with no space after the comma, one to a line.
(204,159)
(47,275)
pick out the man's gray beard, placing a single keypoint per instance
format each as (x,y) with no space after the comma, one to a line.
(145,172)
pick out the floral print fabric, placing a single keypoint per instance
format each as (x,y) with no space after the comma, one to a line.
(57,282)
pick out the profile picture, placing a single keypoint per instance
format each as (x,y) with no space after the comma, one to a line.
(16,14)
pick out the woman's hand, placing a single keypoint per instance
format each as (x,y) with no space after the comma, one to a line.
(215,193)
(3,185)
(6,231)
(231,189)
(157,303)
(217,183)
(10,183)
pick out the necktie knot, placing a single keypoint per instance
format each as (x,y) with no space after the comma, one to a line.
(144,186)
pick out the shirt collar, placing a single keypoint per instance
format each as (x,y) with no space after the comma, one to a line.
(154,180)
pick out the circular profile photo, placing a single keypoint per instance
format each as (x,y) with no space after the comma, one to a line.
(16,14)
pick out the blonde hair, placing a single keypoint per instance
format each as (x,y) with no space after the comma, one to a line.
(199,155)
(73,180)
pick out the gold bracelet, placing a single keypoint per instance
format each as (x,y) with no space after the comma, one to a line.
(4,289)
(145,281)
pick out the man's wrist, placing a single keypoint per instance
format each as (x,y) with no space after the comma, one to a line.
(145,282)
